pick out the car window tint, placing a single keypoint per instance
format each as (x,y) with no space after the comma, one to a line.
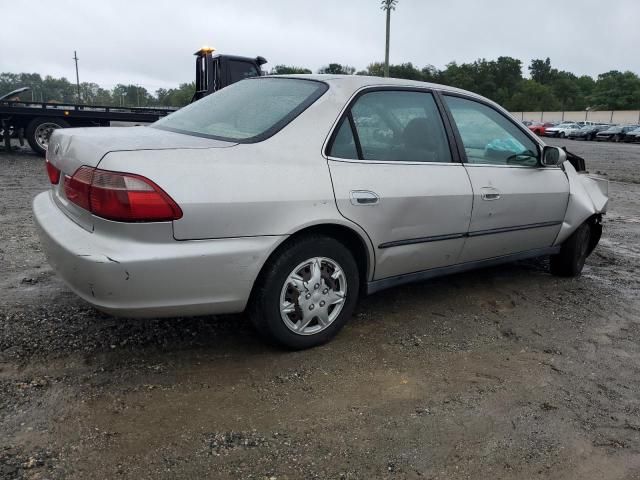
(344,145)
(240,70)
(400,126)
(489,137)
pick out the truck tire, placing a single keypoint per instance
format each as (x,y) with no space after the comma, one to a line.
(573,253)
(39,130)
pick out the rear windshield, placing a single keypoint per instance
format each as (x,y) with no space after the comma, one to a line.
(247,111)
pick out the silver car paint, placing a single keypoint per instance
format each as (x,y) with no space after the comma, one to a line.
(413,197)
(525,196)
(588,196)
(140,270)
(266,188)
(74,147)
(241,203)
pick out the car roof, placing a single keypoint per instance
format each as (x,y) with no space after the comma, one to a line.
(356,82)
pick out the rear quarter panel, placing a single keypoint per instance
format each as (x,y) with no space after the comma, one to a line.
(274,187)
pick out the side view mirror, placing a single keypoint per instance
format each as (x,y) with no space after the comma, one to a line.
(553,156)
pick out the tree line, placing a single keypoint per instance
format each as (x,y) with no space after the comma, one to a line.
(60,90)
(545,89)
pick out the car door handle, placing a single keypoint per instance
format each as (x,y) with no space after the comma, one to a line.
(489,193)
(364,197)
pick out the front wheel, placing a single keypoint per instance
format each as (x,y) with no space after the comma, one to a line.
(306,293)
(573,253)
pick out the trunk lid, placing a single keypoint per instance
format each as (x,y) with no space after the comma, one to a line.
(71,148)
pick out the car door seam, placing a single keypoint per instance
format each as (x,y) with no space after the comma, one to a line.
(335,200)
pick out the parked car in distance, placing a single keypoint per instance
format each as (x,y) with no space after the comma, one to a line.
(587,132)
(615,133)
(539,128)
(289,197)
(562,130)
(632,136)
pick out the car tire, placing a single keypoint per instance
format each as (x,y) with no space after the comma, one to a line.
(275,288)
(561,135)
(573,253)
(40,126)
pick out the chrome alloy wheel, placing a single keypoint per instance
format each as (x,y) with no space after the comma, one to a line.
(43,134)
(313,296)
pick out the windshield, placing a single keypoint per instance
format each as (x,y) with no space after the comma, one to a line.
(247,111)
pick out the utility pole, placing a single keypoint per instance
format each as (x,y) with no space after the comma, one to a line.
(388,5)
(75,57)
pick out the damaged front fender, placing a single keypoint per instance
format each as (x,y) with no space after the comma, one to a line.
(588,197)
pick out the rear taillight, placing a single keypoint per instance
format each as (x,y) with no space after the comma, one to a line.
(120,196)
(77,188)
(53,172)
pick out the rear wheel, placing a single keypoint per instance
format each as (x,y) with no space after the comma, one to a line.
(39,131)
(306,293)
(573,253)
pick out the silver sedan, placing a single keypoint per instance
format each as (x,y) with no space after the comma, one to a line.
(289,197)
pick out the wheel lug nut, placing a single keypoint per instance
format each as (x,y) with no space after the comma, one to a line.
(308,296)
(325,291)
(311,307)
(317,286)
(322,303)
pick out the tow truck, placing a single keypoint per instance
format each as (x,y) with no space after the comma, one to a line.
(34,121)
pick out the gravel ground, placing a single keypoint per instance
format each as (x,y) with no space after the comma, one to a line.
(504,373)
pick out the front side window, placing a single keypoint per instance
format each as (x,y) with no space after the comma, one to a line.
(246,111)
(394,125)
(489,137)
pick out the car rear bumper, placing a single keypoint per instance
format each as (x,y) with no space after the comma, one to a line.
(131,277)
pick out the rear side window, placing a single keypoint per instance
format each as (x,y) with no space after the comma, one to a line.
(247,111)
(344,145)
(394,125)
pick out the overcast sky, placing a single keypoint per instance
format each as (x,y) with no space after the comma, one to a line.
(152,42)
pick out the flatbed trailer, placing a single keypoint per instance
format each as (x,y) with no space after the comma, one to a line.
(34,121)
